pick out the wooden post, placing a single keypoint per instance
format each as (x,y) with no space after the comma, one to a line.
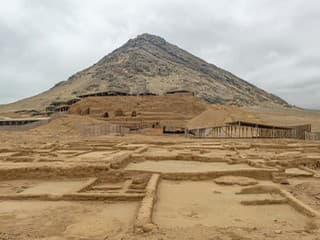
(273,132)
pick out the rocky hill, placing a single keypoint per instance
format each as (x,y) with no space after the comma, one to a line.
(149,63)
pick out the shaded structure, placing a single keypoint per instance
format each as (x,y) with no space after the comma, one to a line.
(119,93)
(104,94)
(147,94)
(22,123)
(62,108)
(61,105)
(26,111)
(241,129)
(180,92)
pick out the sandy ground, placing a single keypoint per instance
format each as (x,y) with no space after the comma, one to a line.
(187,204)
(64,220)
(54,187)
(45,192)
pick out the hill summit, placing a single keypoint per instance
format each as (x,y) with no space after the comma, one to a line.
(150,64)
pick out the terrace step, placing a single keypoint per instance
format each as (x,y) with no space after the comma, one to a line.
(280,178)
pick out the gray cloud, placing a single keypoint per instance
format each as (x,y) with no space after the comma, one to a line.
(272,44)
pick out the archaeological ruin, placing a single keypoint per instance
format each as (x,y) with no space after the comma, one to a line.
(133,167)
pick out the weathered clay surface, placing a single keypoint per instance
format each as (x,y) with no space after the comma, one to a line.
(86,178)
(234,180)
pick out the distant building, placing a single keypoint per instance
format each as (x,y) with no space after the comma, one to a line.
(62,105)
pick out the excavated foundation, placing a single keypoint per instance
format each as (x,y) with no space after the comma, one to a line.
(99,189)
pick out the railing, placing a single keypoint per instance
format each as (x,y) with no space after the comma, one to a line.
(24,127)
(313,136)
(103,129)
(236,131)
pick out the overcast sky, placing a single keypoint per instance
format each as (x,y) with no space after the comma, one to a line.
(273,44)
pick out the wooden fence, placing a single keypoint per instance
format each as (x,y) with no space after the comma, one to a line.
(237,131)
(103,129)
(313,136)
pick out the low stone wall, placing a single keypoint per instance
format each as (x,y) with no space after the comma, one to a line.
(292,201)
(144,217)
(264,202)
(298,205)
(261,174)
(46,172)
(87,185)
(75,197)
(120,161)
(178,156)
(103,197)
